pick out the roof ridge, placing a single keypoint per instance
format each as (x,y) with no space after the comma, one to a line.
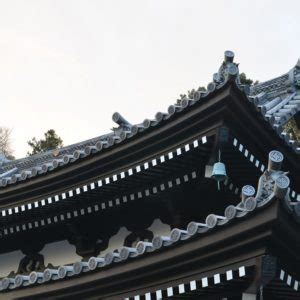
(228,72)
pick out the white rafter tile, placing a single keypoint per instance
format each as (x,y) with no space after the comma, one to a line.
(195,143)
(170,291)
(181,289)
(204,282)
(229,275)
(242,271)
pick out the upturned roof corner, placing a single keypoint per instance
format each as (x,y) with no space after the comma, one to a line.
(278,100)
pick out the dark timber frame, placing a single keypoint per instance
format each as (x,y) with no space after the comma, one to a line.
(226,107)
(228,248)
(265,242)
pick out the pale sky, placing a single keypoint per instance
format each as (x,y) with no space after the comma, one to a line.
(70,64)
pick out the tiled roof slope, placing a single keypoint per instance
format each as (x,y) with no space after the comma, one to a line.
(272,185)
(277,99)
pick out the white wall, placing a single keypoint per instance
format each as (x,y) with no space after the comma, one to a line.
(10,262)
(60,253)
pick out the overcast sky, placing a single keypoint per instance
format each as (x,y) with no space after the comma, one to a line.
(69,65)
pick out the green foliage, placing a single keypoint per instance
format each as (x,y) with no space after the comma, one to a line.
(51,141)
(247,81)
(190,94)
(202,89)
(292,128)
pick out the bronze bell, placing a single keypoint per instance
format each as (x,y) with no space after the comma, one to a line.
(219,172)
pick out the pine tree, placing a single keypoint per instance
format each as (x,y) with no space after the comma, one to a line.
(51,141)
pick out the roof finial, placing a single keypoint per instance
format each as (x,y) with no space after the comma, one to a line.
(298,63)
(227,71)
(228,56)
(117,118)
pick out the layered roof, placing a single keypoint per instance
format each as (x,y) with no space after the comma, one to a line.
(263,101)
(278,100)
(273,186)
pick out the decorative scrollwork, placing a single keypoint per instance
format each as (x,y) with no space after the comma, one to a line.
(29,263)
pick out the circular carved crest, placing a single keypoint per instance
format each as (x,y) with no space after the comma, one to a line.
(62,272)
(276,156)
(108,258)
(5,283)
(92,263)
(33,277)
(175,235)
(229,54)
(282,182)
(248,190)
(140,247)
(192,228)
(18,280)
(77,267)
(124,253)
(230,212)
(233,69)
(211,221)
(47,275)
(157,242)
(250,204)
(211,86)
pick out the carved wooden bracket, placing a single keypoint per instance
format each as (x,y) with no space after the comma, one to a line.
(32,262)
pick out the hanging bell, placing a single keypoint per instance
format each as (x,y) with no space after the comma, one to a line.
(219,172)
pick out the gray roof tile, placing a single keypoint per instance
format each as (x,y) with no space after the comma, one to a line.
(273,184)
(278,100)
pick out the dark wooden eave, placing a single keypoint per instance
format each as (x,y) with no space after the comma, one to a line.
(270,231)
(226,106)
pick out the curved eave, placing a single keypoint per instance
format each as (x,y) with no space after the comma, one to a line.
(240,242)
(192,121)
(253,125)
(39,168)
(203,117)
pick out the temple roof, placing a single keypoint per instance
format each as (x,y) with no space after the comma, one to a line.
(278,100)
(279,86)
(273,186)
